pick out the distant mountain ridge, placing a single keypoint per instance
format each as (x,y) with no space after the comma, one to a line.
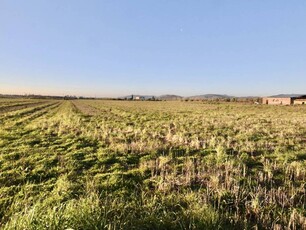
(173,97)
(211,96)
(287,95)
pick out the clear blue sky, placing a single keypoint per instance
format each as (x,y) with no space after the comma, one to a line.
(114,48)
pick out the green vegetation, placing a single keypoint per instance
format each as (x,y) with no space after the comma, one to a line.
(91,164)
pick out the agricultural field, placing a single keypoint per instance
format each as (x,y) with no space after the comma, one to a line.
(99,164)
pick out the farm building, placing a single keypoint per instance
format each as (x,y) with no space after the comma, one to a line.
(141,98)
(277,100)
(284,100)
(300,100)
(134,97)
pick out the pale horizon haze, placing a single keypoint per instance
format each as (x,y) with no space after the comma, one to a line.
(110,48)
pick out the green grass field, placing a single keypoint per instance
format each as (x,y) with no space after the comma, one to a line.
(94,164)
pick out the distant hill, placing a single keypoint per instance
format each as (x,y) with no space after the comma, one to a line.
(210,96)
(287,95)
(169,97)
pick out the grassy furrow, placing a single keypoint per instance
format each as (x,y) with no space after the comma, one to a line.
(9,107)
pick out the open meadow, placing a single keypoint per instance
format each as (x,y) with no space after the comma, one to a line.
(102,164)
